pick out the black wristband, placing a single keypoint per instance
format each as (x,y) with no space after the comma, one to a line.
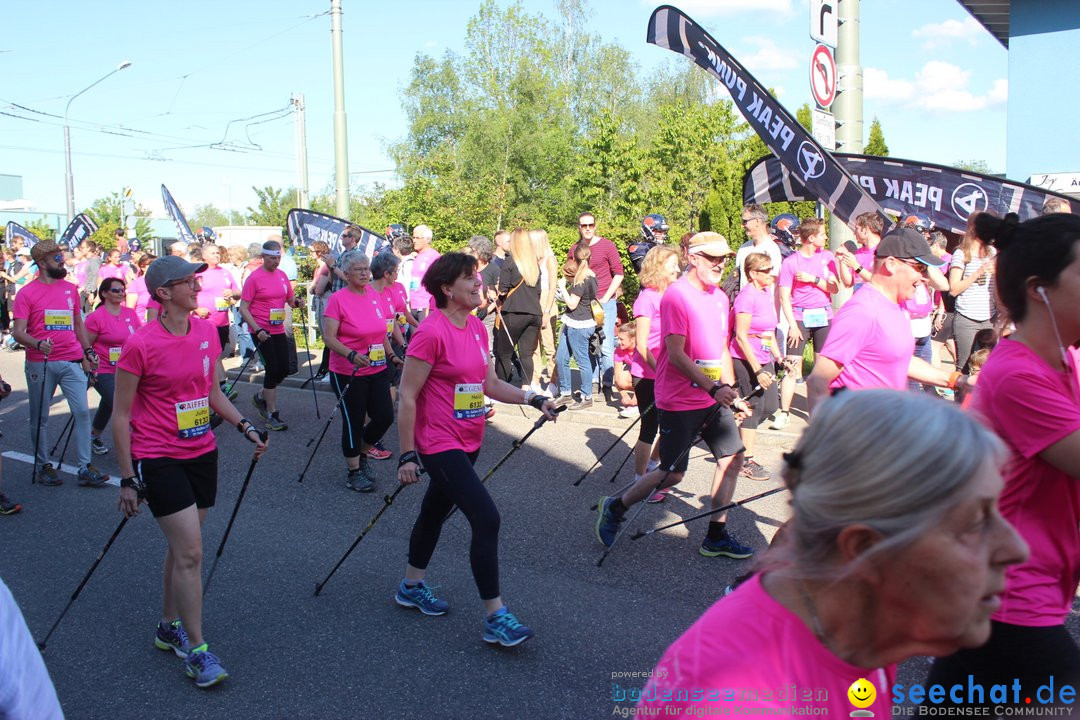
(135,483)
(352,357)
(537,401)
(715,388)
(760,370)
(244,425)
(408,457)
(37,346)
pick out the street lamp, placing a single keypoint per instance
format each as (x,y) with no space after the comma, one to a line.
(67,139)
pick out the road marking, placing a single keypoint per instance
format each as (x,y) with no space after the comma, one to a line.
(65,468)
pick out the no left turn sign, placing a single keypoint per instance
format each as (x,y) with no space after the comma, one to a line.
(823,76)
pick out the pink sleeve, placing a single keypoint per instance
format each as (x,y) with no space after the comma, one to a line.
(132,356)
(333,308)
(248,292)
(426,346)
(91,323)
(831,265)
(846,340)
(20,310)
(673,317)
(787,272)
(744,303)
(1033,413)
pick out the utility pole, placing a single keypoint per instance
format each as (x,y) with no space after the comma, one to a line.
(848,106)
(341,135)
(301,152)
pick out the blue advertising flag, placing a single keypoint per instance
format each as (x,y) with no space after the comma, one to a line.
(798,151)
(907,187)
(14,229)
(80,228)
(307,226)
(182,227)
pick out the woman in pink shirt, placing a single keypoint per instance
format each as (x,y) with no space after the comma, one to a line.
(808,280)
(218,293)
(448,371)
(1028,394)
(888,554)
(659,269)
(112,267)
(165,391)
(354,328)
(107,329)
(138,297)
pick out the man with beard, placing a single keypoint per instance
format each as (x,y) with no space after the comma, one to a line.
(49,325)
(870,344)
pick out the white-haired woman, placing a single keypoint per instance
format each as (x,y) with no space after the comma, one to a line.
(888,554)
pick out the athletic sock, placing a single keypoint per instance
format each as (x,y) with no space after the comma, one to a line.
(617,508)
(717,530)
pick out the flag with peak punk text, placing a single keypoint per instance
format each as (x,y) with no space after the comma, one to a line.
(183,230)
(14,230)
(80,228)
(308,226)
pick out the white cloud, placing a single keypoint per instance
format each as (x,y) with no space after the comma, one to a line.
(950,32)
(767,55)
(938,87)
(711,8)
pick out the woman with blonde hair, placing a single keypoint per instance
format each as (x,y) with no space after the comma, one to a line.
(660,268)
(549,278)
(519,313)
(578,325)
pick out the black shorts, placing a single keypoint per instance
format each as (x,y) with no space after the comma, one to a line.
(223,337)
(173,485)
(679,430)
(815,335)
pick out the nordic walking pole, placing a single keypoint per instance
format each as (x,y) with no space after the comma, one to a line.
(388,500)
(41,412)
(340,402)
(247,362)
(236,508)
(311,359)
(619,469)
(67,427)
(617,440)
(64,451)
(640,534)
(517,444)
(41,645)
(686,451)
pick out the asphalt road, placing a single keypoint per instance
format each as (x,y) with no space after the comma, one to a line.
(352,652)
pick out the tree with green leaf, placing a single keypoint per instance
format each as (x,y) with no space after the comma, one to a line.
(875,145)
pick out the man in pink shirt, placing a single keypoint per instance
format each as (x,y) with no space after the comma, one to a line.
(420,299)
(49,325)
(870,344)
(694,392)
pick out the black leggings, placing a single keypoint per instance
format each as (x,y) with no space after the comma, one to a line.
(106,387)
(524,331)
(645,390)
(275,356)
(765,402)
(1028,654)
(454,482)
(365,395)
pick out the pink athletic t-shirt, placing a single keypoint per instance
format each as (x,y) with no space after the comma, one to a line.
(361,327)
(647,305)
(807,295)
(170,415)
(701,316)
(268,295)
(1032,406)
(761,307)
(710,669)
(112,332)
(142,296)
(419,298)
(450,408)
(624,356)
(215,281)
(49,310)
(111,271)
(871,340)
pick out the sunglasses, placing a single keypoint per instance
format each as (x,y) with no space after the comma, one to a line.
(116,289)
(586,225)
(715,262)
(919,267)
(58,258)
(747,221)
(766,270)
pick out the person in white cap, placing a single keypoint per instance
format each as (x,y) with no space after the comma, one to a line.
(694,392)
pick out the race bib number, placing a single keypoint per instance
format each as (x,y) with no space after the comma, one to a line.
(711,368)
(815,318)
(468,401)
(389,326)
(192,418)
(766,342)
(414,284)
(377,355)
(277,316)
(114,355)
(221,304)
(58,320)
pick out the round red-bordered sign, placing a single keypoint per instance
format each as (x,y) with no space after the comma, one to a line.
(823,76)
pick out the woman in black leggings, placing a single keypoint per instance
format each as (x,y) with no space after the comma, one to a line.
(520,316)
(440,428)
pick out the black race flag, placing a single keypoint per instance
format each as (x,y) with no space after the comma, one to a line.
(183,230)
(798,151)
(14,229)
(79,229)
(307,226)
(906,187)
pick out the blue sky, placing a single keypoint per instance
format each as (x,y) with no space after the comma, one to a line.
(201,69)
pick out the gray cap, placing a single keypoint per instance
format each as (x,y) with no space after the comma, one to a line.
(168,269)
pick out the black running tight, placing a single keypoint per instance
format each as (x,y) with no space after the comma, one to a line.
(453,481)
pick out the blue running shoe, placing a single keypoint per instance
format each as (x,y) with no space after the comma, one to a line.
(503,628)
(727,546)
(607,525)
(204,667)
(172,636)
(420,597)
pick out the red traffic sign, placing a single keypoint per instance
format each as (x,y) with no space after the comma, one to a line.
(823,76)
